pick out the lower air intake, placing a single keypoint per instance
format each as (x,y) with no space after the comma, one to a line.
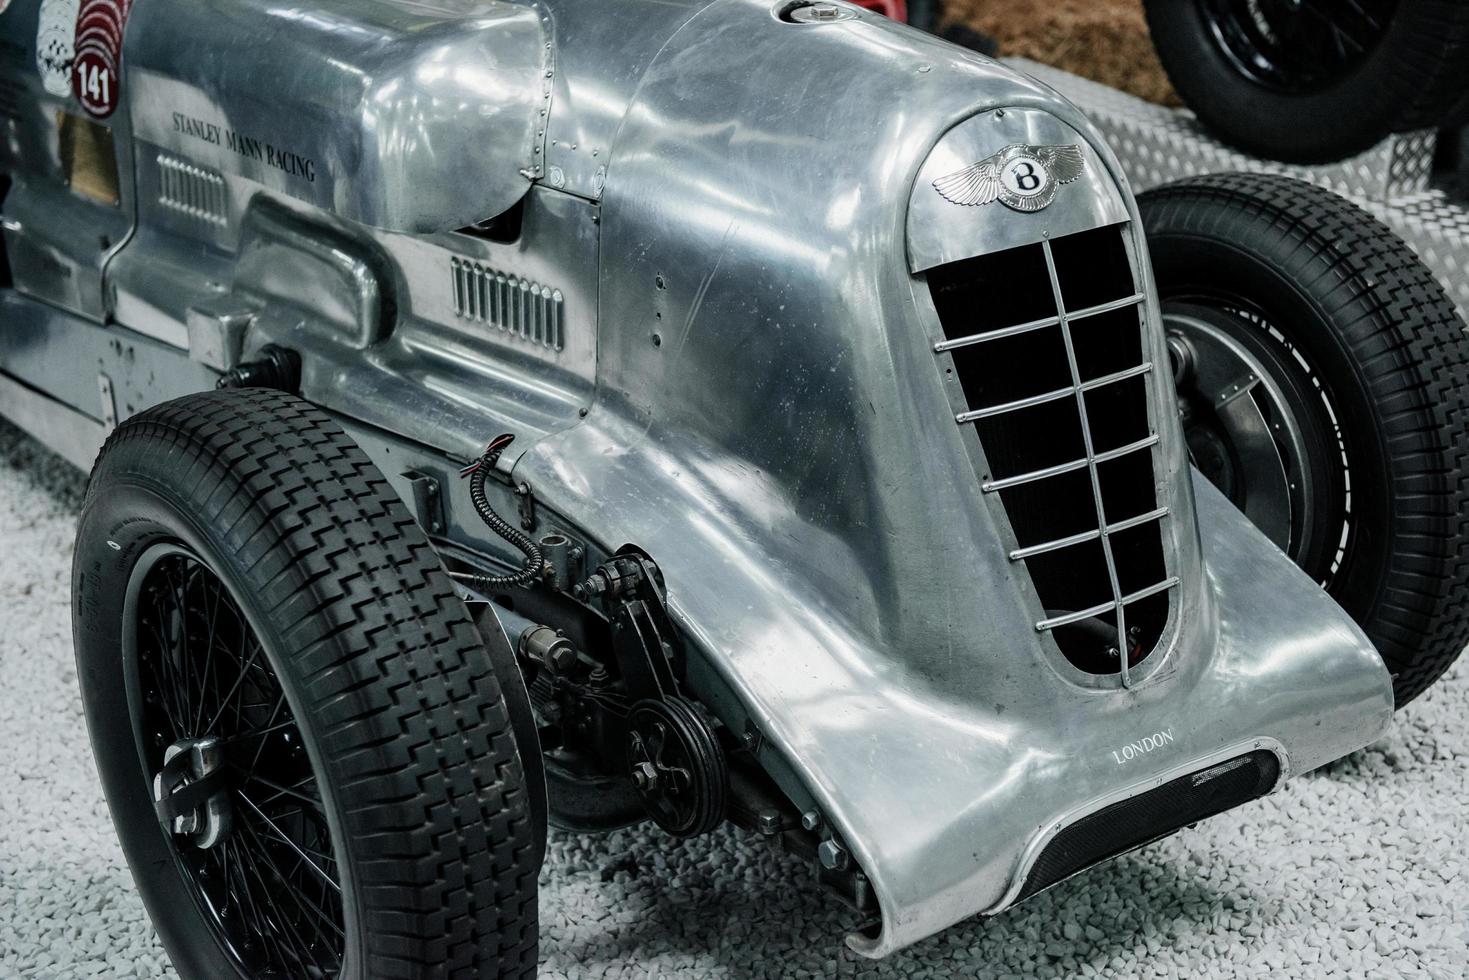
(1151,816)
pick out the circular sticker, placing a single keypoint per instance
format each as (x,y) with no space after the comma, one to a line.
(94,82)
(98,39)
(1026,177)
(55,46)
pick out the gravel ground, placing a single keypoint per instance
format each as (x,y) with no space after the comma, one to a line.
(1355,870)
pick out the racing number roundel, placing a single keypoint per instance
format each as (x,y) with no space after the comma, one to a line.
(95,76)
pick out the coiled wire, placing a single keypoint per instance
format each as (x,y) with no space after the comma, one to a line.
(535,562)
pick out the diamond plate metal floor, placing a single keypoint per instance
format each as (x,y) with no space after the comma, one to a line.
(1391,180)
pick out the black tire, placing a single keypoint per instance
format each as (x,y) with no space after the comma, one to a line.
(1346,303)
(384,676)
(1412,73)
(925,14)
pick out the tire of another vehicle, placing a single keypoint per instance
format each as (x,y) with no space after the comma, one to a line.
(1349,306)
(1410,80)
(398,709)
(925,14)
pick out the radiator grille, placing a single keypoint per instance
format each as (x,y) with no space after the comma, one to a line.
(1047,344)
(516,306)
(192,190)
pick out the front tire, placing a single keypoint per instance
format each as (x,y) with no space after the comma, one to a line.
(1324,376)
(247,588)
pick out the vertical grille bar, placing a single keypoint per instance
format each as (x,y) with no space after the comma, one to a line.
(1091,463)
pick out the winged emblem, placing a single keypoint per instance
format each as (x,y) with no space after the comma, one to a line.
(1022,177)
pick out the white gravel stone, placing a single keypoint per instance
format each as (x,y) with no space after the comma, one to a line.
(1358,869)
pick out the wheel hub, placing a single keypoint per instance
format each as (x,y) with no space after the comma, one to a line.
(191,794)
(1242,424)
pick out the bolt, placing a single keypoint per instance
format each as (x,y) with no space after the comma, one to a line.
(561,658)
(832,855)
(811,820)
(769,822)
(644,776)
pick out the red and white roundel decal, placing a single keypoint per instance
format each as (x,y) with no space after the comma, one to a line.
(95,78)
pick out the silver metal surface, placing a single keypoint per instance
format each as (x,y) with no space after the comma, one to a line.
(107,401)
(747,383)
(1157,145)
(73,436)
(406,116)
(941,231)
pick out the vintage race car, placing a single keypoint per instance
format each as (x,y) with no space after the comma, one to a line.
(584,413)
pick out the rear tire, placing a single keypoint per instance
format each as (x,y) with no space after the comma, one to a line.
(1271,100)
(1368,357)
(387,702)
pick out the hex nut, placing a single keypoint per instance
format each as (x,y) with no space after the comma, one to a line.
(833,856)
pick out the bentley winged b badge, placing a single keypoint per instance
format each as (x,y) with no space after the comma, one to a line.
(1022,177)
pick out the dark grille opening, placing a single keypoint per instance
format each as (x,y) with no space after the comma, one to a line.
(1093,268)
(1150,816)
(1148,616)
(1139,556)
(1047,469)
(1118,415)
(1003,370)
(1127,487)
(1107,343)
(992,291)
(1033,438)
(1079,573)
(1046,510)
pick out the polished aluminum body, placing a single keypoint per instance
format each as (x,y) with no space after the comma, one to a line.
(713,337)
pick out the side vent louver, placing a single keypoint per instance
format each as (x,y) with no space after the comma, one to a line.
(192,190)
(1047,342)
(516,306)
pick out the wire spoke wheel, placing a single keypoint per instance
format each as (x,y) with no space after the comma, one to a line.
(258,855)
(305,747)
(1321,376)
(1297,46)
(1261,426)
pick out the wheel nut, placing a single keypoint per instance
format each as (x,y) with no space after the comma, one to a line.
(644,776)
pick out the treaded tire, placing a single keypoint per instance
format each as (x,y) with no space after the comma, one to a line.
(395,699)
(1411,80)
(1390,352)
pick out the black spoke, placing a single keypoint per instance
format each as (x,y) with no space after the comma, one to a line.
(318,871)
(1298,46)
(265,870)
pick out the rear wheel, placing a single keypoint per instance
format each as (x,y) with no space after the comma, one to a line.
(302,741)
(1312,81)
(1323,375)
